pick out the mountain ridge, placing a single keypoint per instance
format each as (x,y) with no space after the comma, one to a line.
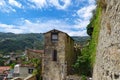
(10,42)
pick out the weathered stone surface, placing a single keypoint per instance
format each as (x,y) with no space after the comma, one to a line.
(73,77)
(31,77)
(107,66)
(59,69)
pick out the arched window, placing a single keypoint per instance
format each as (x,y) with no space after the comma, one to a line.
(55,55)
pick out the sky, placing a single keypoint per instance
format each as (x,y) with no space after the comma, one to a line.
(40,16)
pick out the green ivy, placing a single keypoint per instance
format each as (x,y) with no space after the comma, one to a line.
(86,60)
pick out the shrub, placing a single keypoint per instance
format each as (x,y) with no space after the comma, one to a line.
(83,77)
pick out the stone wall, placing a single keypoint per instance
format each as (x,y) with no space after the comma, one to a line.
(31,77)
(17,78)
(57,70)
(107,66)
(23,72)
(73,77)
(53,70)
(31,53)
(70,56)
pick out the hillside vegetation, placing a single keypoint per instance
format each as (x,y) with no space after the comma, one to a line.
(10,42)
(85,63)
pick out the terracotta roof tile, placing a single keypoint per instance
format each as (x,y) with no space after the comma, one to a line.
(35,51)
(4,68)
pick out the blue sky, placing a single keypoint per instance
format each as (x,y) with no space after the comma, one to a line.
(39,16)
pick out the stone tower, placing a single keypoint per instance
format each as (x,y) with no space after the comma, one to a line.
(58,55)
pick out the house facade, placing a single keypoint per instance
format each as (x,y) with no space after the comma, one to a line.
(22,71)
(59,55)
(4,70)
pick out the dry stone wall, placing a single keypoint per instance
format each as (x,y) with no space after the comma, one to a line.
(107,66)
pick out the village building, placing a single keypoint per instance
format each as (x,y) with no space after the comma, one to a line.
(4,70)
(58,55)
(57,58)
(22,71)
(13,58)
(32,53)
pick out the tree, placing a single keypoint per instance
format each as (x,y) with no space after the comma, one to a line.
(82,65)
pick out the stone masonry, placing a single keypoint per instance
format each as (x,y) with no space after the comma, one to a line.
(107,66)
(58,55)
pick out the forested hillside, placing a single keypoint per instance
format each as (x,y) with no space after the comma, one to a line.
(10,42)
(82,40)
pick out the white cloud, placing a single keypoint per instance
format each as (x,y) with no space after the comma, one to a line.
(81,24)
(15,3)
(59,4)
(45,26)
(5,8)
(38,3)
(92,2)
(78,33)
(78,28)
(10,28)
(9,5)
(6,26)
(64,5)
(27,26)
(86,12)
(17,31)
(2,3)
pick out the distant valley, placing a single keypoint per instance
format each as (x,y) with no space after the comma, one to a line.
(10,42)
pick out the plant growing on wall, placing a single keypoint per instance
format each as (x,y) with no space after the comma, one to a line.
(37,64)
(86,60)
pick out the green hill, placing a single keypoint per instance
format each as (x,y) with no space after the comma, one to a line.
(10,42)
(82,40)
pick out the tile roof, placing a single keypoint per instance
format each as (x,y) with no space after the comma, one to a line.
(4,68)
(35,51)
